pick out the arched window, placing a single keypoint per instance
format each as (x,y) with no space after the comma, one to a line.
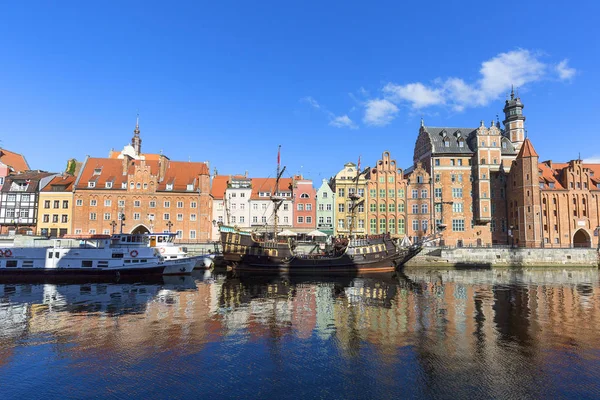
(304,196)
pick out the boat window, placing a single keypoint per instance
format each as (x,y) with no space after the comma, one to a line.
(87,264)
(11,264)
(117,255)
(122,238)
(127,261)
(102,264)
(27,264)
(128,239)
(56,254)
(50,254)
(160,239)
(143,260)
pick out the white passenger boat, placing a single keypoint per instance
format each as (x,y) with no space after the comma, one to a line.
(95,255)
(165,243)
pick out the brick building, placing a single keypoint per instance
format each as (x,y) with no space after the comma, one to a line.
(151,192)
(305,209)
(386,203)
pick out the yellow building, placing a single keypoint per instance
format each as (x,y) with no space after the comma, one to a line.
(343,185)
(55,207)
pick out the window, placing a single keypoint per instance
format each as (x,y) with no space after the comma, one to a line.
(341,207)
(255,219)
(423,193)
(329,220)
(424,225)
(108,185)
(401,226)
(264,206)
(179,234)
(180,204)
(460,161)
(424,209)
(193,204)
(452,162)
(341,193)
(457,193)
(233,219)
(192,234)
(263,219)
(167,204)
(458,225)
(382,207)
(93,202)
(321,207)
(309,207)
(401,193)
(107,203)
(107,216)
(166,216)
(373,207)
(457,207)
(329,207)
(400,207)
(169,186)
(91,184)
(415,225)
(415,194)
(180,217)
(152,204)
(137,203)
(438,207)
(437,192)
(46,218)
(138,185)
(382,225)
(391,207)
(373,193)
(47,204)
(121,203)
(286,207)
(437,162)
(415,208)
(373,225)
(192,217)
(79,202)
(300,220)
(64,218)
(131,185)
(382,193)
(301,207)
(340,223)
(92,216)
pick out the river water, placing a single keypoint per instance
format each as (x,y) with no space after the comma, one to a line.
(422,333)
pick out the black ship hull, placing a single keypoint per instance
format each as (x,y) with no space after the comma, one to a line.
(372,254)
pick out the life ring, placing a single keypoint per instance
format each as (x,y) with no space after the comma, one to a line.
(7,253)
(133,253)
(162,250)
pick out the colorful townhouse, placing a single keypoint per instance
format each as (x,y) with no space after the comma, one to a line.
(305,210)
(55,209)
(346,182)
(325,199)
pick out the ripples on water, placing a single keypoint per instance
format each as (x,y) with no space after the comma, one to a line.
(423,333)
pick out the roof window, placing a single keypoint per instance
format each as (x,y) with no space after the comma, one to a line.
(91,184)
(169,186)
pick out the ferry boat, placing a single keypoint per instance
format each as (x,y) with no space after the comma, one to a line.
(96,255)
(165,243)
(250,251)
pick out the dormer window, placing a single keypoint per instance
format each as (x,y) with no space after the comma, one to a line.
(91,184)
(551,185)
(461,143)
(190,186)
(97,171)
(446,143)
(503,145)
(108,185)
(169,186)
(124,185)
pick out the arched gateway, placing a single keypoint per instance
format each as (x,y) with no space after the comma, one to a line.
(140,230)
(582,239)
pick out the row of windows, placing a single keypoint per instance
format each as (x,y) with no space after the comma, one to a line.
(391,207)
(386,226)
(137,217)
(342,192)
(24,197)
(56,204)
(302,207)
(391,193)
(136,203)
(138,185)
(12,213)
(64,218)
(179,233)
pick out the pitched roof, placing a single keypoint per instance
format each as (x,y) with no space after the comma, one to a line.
(527,150)
(268,185)
(15,161)
(63,182)
(552,172)
(439,136)
(177,173)
(32,177)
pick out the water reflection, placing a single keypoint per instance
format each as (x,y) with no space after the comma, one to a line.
(426,333)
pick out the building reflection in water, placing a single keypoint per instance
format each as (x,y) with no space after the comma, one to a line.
(507,330)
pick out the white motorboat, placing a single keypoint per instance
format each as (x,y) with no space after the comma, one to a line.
(96,255)
(165,243)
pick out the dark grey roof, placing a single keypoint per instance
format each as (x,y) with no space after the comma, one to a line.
(510,148)
(440,136)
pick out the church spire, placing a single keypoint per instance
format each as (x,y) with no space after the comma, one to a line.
(136,140)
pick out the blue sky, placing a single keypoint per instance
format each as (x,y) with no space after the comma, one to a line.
(229,81)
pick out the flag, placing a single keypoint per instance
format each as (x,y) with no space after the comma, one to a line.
(279,155)
(358,163)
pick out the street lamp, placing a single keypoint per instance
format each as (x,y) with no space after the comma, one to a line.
(169,225)
(114,225)
(122,221)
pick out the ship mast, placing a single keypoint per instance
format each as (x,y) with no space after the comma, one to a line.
(226,204)
(354,197)
(276,198)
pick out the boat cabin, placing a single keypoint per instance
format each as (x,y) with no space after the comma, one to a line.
(161,239)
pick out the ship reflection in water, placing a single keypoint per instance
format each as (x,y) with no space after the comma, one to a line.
(421,333)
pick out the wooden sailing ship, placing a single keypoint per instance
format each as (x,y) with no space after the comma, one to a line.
(246,250)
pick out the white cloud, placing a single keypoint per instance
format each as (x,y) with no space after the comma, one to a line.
(379,112)
(497,75)
(592,160)
(343,121)
(564,71)
(311,101)
(416,93)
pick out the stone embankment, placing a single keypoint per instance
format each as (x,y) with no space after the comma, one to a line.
(505,257)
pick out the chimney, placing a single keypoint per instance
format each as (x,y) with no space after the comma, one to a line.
(163,163)
(126,160)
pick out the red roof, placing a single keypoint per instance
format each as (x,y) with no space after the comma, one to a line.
(14,160)
(552,172)
(219,185)
(64,182)
(177,173)
(527,150)
(268,185)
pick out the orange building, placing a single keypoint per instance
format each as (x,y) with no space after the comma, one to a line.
(136,192)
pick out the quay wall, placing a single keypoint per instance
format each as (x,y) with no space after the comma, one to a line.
(506,257)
